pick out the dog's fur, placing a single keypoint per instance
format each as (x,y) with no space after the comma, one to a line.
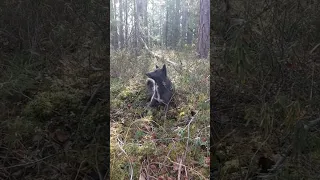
(159,87)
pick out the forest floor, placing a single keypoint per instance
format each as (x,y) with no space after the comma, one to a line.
(264,129)
(148,142)
(54,120)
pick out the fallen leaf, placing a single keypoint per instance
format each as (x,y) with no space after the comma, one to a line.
(207,160)
(153,167)
(36,138)
(154,136)
(61,136)
(142,176)
(146,127)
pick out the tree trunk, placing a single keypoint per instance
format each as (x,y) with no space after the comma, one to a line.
(184,24)
(126,25)
(204,29)
(189,35)
(115,36)
(161,27)
(139,20)
(177,24)
(145,21)
(121,26)
(115,27)
(136,22)
(166,26)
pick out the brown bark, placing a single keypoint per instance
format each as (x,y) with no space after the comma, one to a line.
(126,25)
(184,24)
(121,25)
(145,20)
(115,35)
(204,29)
(177,24)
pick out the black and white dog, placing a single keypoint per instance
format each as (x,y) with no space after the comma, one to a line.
(160,88)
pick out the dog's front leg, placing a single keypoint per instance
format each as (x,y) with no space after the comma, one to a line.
(153,102)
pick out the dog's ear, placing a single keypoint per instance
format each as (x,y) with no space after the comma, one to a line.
(157,67)
(164,70)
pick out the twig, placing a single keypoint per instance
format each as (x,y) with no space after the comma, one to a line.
(91,98)
(131,168)
(314,48)
(26,164)
(190,168)
(187,146)
(96,163)
(179,170)
(312,123)
(167,106)
(312,82)
(225,136)
(22,94)
(157,56)
(79,169)
(281,160)
(247,175)
(278,164)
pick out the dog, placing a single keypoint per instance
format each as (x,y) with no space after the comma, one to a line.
(160,89)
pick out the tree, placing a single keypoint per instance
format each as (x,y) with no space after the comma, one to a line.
(184,23)
(177,24)
(126,25)
(145,21)
(121,25)
(204,29)
(166,26)
(115,26)
(136,22)
(142,24)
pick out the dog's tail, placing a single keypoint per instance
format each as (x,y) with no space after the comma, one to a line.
(150,82)
(151,88)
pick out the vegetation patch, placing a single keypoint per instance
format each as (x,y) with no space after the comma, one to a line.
(265,120)
(153,138)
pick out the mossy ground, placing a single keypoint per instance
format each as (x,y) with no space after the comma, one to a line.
(49,129)
(263,96)
(150,141)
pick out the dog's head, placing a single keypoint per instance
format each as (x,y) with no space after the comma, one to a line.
(158,74)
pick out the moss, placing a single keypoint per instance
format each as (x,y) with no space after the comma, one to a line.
(146,148)
(146,132)
(120,164)
(126,93)
(47,104)
(177,150)
(18,129)
(116,103)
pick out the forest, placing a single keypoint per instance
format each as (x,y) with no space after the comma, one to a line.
(170,141)
(265,89)
(77,80)
(54,92)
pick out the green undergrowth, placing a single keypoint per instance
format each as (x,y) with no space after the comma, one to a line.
(265,123)
(56,121)
(48,104)
(144,137)
(263,98)
(20,75)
